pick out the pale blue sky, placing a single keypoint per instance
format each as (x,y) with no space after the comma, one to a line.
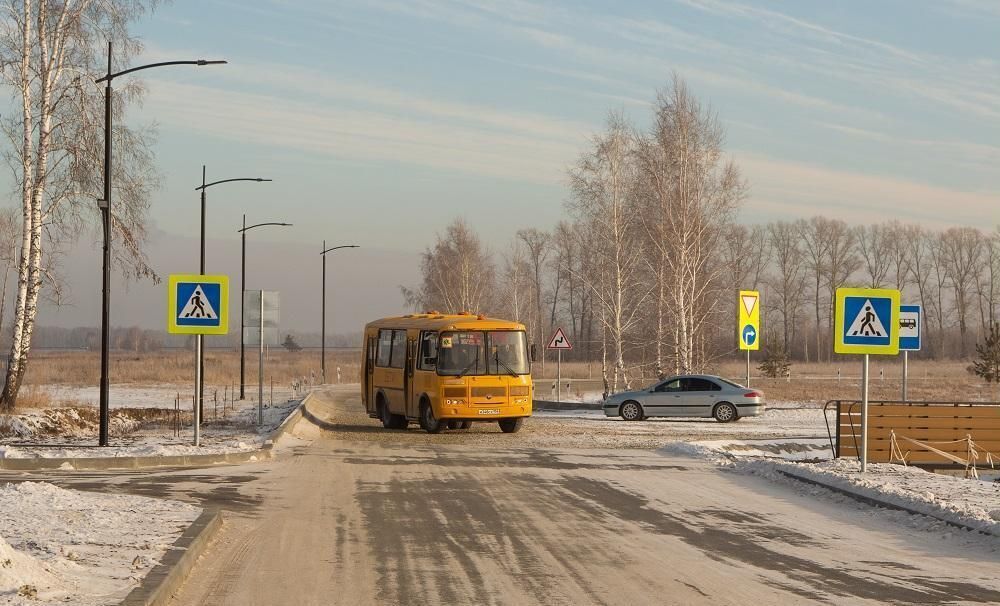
(375,117)
(381,120)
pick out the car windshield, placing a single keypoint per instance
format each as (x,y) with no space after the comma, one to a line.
(495,352)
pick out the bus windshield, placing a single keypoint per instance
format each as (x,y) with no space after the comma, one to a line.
(494,352)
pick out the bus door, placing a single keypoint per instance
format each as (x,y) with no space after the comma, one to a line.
(408,390)
(369,374)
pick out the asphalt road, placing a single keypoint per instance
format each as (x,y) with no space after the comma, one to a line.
(353,514)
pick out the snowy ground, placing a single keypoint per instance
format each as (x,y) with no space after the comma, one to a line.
(72,432)
(71,547)
(970,502)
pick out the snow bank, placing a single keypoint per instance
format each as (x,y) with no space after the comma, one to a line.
(62,546)
(970,502)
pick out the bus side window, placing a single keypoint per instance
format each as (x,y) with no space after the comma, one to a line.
(384,348)
(428,351)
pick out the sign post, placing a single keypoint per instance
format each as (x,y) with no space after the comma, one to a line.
(748,324)
(559,342)
(197,305)
(866,321)
(261,325)
(909,338)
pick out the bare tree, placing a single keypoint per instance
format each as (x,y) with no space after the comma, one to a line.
(961,248)
(536,243)
(875,246)
(604,202)
(8,252)
(841,261)
(787,284)
(988,280)
(694,194)
(49,58)
(515,285)
(457,273)
(918,246)
(815,233)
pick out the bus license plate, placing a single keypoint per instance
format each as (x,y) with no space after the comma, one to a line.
(489,411)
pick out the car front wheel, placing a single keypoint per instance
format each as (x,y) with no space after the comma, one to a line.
(631,411)
(724,412)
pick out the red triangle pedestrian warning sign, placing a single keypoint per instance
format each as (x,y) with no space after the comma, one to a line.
(559,341)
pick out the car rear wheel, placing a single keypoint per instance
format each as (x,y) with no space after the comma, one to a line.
(724,412)
(511,425)
(631,411)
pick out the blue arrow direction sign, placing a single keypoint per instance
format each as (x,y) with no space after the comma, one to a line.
(909,327)
(749,334)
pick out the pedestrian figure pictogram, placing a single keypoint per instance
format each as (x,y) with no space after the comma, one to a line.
(198,306)
(867,323)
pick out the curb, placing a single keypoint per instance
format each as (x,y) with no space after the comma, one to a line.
(188,460)
(868,500)
(550,405)
(165,578)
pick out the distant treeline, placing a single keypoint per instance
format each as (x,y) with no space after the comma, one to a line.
(140,340)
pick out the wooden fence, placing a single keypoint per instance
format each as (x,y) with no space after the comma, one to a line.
(944,426)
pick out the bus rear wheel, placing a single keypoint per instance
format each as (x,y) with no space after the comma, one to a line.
(390,420)
(428,421)
(511,425)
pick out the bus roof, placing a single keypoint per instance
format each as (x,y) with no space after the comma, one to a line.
(437,321)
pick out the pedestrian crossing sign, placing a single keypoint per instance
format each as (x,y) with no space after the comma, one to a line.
(197,304)
(866,321)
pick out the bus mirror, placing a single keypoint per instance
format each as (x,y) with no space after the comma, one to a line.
(534,352)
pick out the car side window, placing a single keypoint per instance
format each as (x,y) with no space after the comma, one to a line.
(698,384)
(674,385)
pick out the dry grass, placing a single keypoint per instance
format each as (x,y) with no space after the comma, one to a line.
(177,367)
(929,380)
(817,382)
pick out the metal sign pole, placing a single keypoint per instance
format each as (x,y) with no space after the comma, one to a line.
(197,392)
(260,366)
(748,368)
(864,415)
(558,375)
(906,371)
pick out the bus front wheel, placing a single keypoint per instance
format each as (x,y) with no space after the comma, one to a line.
(428,422)
(511,425)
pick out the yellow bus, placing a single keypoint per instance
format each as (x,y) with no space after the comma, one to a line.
(446,371)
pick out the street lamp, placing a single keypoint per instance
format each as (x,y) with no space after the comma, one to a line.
(243,290)
(105,205)
(322,346)
(199,343)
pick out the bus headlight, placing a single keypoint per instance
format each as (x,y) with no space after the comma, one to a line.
(454,402)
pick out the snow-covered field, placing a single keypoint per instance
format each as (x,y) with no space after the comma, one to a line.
(122,396)
(71,547)
(72,433)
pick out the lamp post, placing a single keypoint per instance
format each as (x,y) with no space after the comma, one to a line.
(322,347)
(105,205)
(243,289)
(199,342)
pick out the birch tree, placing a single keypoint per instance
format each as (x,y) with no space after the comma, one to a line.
(694,193)
(875,246)
(787,283)
(457,273)
(604,202)
(50,54)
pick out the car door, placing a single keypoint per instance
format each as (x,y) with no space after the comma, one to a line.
(664,399)
(700,396)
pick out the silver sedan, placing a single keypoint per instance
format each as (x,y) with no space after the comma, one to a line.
(704,396)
